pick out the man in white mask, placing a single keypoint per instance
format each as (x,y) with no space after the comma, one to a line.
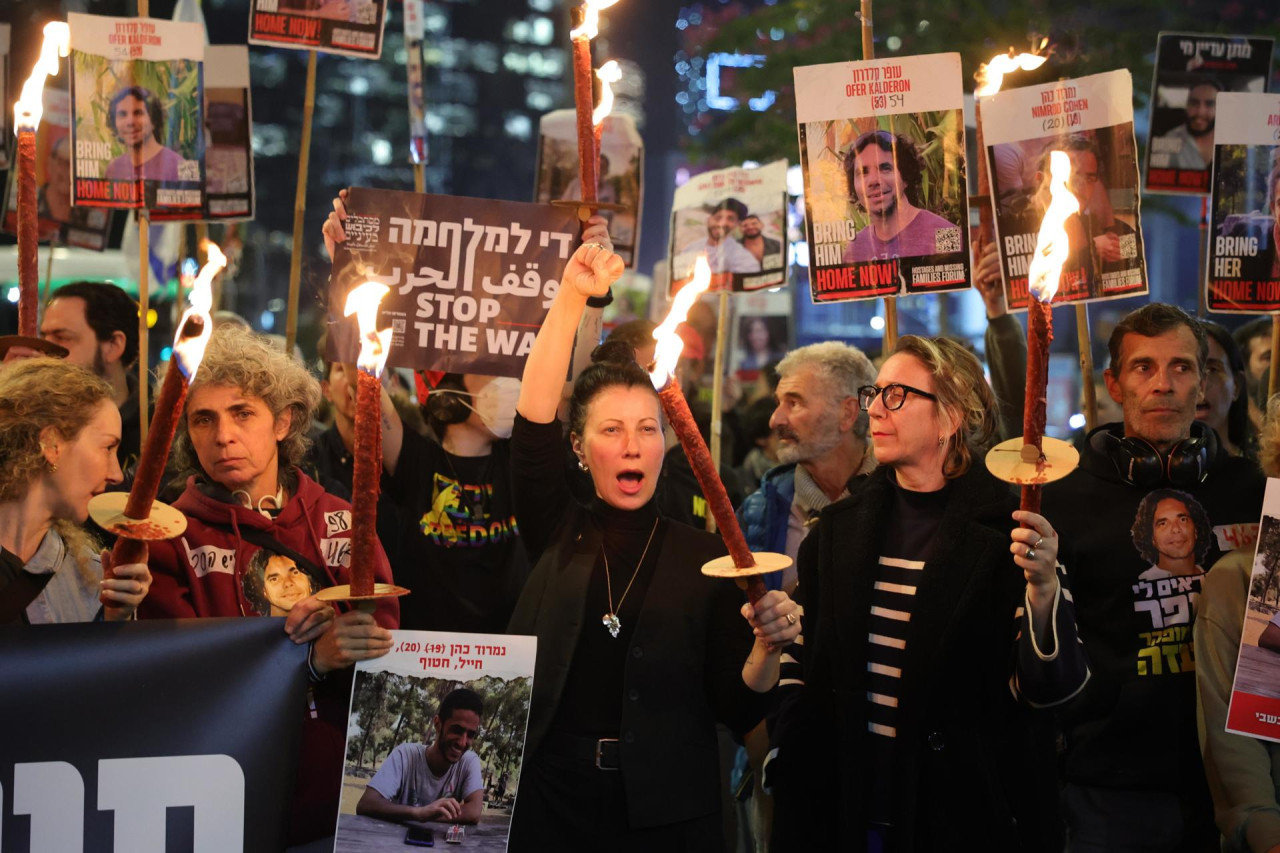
(459,549)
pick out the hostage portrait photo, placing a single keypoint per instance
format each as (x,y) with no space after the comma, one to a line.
(1192,70)
(1258,668)
(739,235)
(888,188)
(140,132)
(1106,235)
(1246,212)
(432,756)
(621,174)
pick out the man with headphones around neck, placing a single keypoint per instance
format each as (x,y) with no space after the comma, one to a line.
(1133,775)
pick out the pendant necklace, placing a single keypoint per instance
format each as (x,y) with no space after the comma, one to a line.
(611,620)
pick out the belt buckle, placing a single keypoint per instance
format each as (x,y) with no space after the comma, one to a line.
(599,751)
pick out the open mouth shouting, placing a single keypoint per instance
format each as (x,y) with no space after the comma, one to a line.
(630,481)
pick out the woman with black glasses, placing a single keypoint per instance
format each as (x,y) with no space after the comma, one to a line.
(935,628)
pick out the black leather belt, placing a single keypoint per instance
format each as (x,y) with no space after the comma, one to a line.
(602,753)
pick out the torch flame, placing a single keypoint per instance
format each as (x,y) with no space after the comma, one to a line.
(590,27)
(375,346)
(28,109)
(991,75)
(1052,245)
(608,73)
(188,351)
(667,352)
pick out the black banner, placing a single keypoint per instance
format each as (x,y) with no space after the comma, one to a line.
(471,279)
(165,735)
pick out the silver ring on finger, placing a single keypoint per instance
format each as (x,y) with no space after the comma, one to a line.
(1031,553)
(1037,544)
(593,245)
(791,619)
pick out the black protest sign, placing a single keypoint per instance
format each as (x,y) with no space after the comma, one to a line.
(471,279)
(166,734)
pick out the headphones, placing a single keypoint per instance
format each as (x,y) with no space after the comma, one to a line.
(444,406)
(1139,463)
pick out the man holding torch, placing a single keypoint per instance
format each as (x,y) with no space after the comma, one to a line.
(239,442)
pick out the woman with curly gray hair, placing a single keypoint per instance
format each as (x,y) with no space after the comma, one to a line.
(59,429)
(239,442)
(912,601)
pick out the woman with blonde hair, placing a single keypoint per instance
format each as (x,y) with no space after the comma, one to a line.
(59,429)
(914,588)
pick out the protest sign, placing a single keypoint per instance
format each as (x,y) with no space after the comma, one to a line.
(228,120)
(737,218)
(1091,119)
(137,117)
(6,114)
(1244,260)
(348,27)
(56,220)
(621,189)
(433,696)
(1193,70)
(203,747)
(882,152)
(1255,690)
(471,279)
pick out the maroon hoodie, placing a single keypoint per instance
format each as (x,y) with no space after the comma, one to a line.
(203,573)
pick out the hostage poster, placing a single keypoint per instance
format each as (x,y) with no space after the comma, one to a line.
(6,114)
(471,279)
(1192,71)
(738,219)
(137,119)
(621,175)
(228,155)
(435,740)
(56,220)
(1091,119)
(882,152)
(1244,263)
(1255,690)
(349,27)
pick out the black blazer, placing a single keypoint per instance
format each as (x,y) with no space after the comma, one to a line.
(971,764)
(684,665)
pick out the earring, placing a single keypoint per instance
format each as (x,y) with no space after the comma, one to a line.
(51,466)
(582,466)
(941,440)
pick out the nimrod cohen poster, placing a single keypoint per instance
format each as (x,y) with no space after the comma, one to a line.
(1244,258)
(1255,691)
(454,701)
(228,121)
(882,150)
(471,279)
(351,27)
(1192,71)
(56,220)
(137,124)
(1091,119)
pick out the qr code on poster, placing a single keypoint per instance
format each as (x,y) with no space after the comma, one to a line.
(1128,246)
(946,240)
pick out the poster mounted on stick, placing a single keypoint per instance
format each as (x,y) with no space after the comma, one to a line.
(1244,240)
(228,156)
(1193,70)
(348,27)
(6,114)
(471,279)
(738,219)
(56,220)
(1091,119)
(438,700)
(211,769)
(621,176)
(1255,691)
(137,117)
(882,152)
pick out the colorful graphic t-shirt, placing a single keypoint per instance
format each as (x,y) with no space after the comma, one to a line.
(460,554)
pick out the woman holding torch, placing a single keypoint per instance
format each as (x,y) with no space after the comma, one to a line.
(639,654)
(917,705)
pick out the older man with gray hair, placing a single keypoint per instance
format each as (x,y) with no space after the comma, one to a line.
(822,444)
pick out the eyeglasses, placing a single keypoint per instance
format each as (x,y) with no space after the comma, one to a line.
(892,395)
